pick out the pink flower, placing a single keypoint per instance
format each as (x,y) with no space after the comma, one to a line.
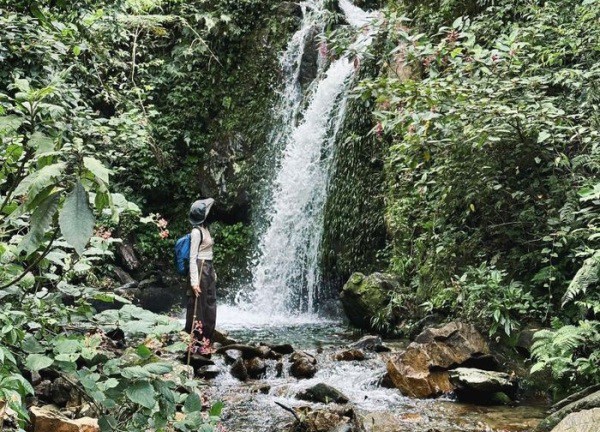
(162,223)
(164,234)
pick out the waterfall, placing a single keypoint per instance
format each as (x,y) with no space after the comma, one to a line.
(286,278)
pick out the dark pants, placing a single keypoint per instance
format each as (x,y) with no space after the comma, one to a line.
(206,308)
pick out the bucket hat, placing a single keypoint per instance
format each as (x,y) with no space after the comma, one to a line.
(199,211)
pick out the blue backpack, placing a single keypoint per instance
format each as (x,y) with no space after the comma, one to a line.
(182,253)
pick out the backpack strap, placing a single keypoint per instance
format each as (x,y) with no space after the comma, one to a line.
(201,239)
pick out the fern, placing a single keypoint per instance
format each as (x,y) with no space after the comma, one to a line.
(588,275)
(570,352)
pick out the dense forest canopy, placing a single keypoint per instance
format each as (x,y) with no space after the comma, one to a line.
(482,124)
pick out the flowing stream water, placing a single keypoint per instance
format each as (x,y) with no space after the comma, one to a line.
(282,305)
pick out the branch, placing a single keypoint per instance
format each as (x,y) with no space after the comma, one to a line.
(288,409)
(34,263)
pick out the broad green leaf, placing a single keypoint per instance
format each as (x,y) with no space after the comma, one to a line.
(36,362)
(97,168)
(40,223)
(142,393)
(76,220)
(192,403)
(31,346)
(9,124)
(41,143)
(144,352)
(67,346)
(39,180)
(216,409)
(158,368)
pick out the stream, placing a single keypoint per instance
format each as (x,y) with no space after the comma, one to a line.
(250,406)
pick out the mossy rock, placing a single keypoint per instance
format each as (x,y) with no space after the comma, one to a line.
(363,297)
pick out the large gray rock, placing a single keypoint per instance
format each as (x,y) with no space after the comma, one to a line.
(581,421)
(370,343)
(363,297)
(322,393)
(480,386)
(588,402)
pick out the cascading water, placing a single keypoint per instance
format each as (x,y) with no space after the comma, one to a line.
(286,278)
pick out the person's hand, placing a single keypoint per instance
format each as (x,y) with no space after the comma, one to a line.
(196,289)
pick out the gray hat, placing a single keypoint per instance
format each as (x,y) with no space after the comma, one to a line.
(199,211)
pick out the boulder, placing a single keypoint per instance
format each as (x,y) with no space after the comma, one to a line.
(197,361)
(208,372)
(238,370)
(256,367)
(409,372)
(298,355)
(222,338)
(587,403)
(477,385)
(48,418)
(322,393)
(370,343)
(303,368)
(247,351)
(325,420)
(283,349)
(422,369)
(581,421)
(63,393)
(363,297)
(349,355)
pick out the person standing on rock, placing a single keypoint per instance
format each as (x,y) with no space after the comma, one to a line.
(201,313)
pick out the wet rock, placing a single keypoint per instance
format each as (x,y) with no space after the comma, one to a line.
(256,367)
(247,351)
(480,386)
(231,356)
(197,361)
(589,402)
(124,277)
(283,349)
(364,297)
(262,389)
(421,369)
(349,355)
(386,381)
(309,65)
(279,369)
(581,421)
(322,393)
(326,420)
(208,372)
(48,418)
(238,370)
(303,368)
(223,338)
(298,355)
(409,371)
(128,256)
(63,393)
(370,343)
(43,390)
(453,345)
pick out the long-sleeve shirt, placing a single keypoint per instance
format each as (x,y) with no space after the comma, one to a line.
(199,252)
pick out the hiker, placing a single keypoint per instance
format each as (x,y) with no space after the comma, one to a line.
(202,295)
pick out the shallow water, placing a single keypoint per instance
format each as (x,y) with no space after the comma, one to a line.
(247,409)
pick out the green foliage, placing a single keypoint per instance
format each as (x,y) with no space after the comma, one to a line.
(484,297)
(571,353)
(232,250)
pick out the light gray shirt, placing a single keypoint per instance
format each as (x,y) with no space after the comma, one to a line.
(199,252)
